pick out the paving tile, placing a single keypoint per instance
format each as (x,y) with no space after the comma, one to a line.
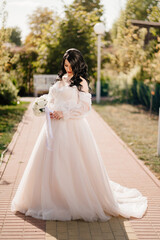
(123,162)
(146,183)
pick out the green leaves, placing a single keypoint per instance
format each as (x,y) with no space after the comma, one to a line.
(15,36)
(51,36)
(138,10)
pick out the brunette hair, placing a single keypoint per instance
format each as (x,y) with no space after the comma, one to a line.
(78,65)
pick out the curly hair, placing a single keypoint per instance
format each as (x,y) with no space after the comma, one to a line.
(78,65)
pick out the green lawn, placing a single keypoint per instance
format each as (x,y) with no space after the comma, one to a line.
(136,128)
(10,116)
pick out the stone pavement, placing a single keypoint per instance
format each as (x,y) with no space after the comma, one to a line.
(122,166)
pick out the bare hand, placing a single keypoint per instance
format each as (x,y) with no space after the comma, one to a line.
(56,115)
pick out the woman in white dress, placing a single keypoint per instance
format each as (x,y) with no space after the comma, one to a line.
(65,178)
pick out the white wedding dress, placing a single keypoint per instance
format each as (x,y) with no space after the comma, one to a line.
(65,178)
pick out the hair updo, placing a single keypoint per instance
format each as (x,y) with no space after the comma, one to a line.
(78,65)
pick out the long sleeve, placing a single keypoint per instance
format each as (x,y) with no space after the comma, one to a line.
(80,109)
(51,97)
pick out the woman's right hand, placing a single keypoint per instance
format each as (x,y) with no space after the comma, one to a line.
(56,115)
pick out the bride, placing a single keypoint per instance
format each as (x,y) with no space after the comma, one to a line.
(65,178)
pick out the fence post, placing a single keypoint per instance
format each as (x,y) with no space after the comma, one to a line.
(158,146)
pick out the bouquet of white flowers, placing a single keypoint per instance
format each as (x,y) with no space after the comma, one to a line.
(39,105)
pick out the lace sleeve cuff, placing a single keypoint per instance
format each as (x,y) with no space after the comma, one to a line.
(80,109)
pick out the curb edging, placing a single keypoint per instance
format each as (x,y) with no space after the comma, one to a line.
(140,163)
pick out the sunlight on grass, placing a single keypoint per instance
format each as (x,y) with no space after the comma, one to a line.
(10,116)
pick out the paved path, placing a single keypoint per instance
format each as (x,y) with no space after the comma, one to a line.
(122,166)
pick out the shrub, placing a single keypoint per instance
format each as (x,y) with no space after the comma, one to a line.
(104,86)
(156,98)
(8,92)
(141,94)
(22,90)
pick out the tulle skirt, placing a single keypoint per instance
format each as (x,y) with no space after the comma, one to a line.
(65,179)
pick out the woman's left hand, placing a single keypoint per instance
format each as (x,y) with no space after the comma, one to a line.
(56,115)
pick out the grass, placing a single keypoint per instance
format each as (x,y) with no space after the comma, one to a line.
(10,116)
(136,128)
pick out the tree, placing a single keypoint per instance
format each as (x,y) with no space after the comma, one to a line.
(52,36)
(43,37)
(76,31)
(154,16)
(136,66)
(4,38)
(25,68)
(129,40)
(129,52)
(135,9)
(90,6)
(15,36)
(138,10)
(8,92)
(38,20)
(152,65)
(119,26)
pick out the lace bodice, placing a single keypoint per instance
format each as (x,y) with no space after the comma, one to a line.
(69,100)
